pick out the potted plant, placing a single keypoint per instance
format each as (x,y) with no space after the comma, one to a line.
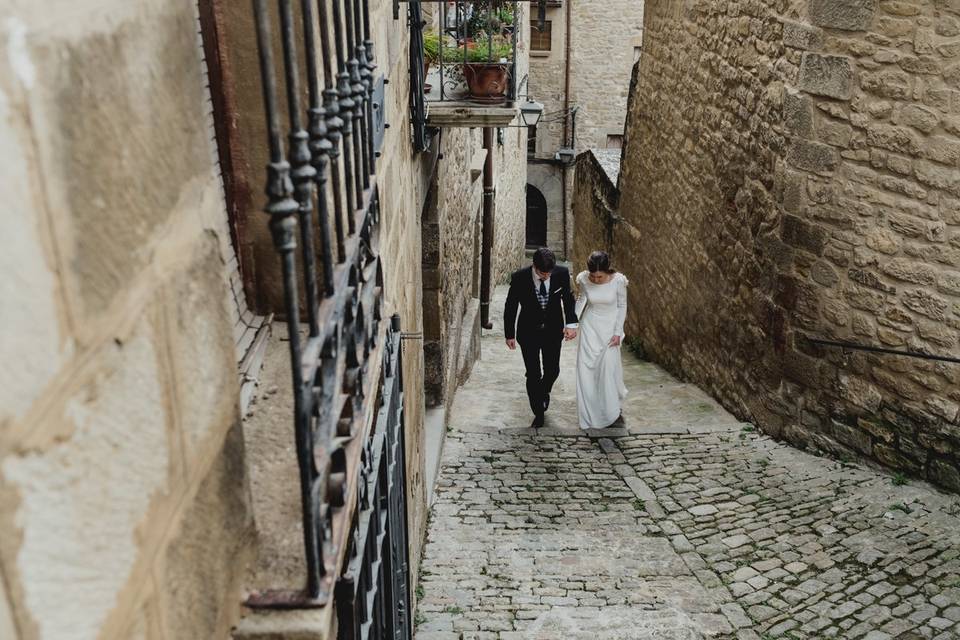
(487,69)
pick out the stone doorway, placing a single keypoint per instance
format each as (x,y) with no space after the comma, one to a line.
(536,218)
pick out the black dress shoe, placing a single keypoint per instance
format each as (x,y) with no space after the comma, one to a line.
(546,402)
(537,421)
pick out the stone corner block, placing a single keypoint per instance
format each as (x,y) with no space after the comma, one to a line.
(826,75)
(813,156)
(797,112)
(800,35)
(848,15)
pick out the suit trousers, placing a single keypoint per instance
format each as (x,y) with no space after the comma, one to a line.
(545,345)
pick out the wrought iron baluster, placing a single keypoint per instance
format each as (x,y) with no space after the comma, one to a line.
(371,67)
(358,93)
(319,142)
(513,66)
(331,105)
(345,92)
(366,82)
(443,35)
(303,173)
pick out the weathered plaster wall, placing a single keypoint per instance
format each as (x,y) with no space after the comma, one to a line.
(123,511)
(792,171)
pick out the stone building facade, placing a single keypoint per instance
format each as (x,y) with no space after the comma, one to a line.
(792,173)
(586,68)
(139,280)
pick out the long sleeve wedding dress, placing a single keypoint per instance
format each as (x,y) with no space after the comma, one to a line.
(602,309)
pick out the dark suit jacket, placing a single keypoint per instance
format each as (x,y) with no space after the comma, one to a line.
(560,311)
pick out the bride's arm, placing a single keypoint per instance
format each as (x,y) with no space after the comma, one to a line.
(581,296)
(621,304)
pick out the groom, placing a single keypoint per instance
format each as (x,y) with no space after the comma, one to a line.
(547,317)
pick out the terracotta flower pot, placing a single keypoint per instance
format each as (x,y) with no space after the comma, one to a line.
(487,81)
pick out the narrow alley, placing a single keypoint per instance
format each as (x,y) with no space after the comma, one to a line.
(688,524)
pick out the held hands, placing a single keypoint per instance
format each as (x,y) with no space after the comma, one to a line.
(569,334)
(615,341)
(511,344)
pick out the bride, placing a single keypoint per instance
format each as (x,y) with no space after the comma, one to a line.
(602,309)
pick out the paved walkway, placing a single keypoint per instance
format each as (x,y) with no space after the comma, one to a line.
(689,525)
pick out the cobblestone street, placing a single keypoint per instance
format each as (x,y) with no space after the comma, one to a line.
(688,524)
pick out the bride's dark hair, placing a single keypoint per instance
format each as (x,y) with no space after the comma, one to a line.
(599,261)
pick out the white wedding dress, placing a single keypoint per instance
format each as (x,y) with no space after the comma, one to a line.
(602,309)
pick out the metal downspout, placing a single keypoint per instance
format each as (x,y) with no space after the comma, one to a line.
(486,248)
(566,119)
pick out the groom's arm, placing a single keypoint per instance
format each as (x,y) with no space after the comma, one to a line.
(570,304)
(510,311)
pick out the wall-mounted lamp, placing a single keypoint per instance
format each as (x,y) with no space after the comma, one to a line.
(566,155)
(531,111)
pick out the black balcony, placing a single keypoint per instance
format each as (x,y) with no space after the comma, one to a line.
(463,62)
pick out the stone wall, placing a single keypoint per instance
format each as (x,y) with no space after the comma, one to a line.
(595,200)
(124,508)
(792,171)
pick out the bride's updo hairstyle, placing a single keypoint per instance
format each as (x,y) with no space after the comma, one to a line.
(599,261)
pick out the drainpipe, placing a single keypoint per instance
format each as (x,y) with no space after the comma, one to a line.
(486,248)
(566,118)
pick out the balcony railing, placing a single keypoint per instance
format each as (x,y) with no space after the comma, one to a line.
(463,61)
(345,360)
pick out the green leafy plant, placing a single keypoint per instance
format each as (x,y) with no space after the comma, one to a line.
(899,479)
(489,50)
(433,42)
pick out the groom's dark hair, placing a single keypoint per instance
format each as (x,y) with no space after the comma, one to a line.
(544,260)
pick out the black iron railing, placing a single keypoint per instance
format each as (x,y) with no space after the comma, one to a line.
(853,346)
(344,359)
(422,134)
(373,597)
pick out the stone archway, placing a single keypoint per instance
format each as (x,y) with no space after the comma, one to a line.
(536,218)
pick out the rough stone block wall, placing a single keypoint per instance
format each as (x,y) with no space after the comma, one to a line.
(124,510)
(792,171)
(595,210)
